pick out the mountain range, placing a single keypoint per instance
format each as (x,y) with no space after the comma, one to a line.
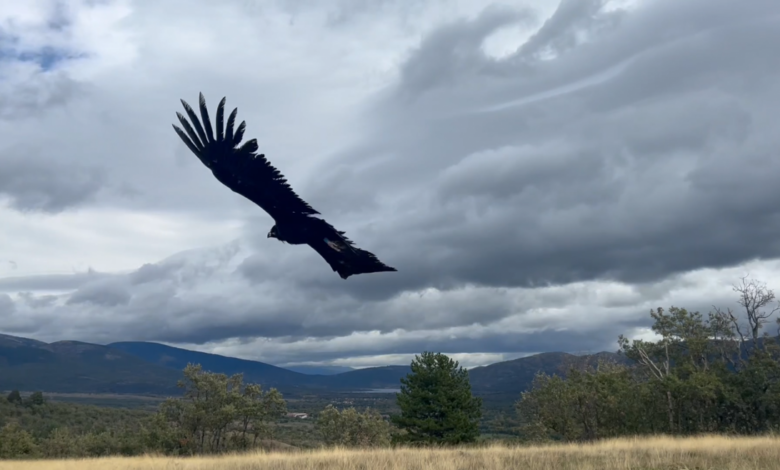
(153,369)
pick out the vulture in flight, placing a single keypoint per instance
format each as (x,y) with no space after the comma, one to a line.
(240,168)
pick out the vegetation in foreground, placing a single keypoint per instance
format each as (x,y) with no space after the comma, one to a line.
(708,452)
(719,374)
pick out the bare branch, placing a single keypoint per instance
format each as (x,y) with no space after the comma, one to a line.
(647,361)
(754,297)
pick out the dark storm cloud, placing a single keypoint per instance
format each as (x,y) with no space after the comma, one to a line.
(312,275)
(625,145)
(649,149)
(33,184)
(194,299)
(198,296)
(454,51)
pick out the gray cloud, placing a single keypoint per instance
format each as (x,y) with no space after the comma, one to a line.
(152,272)
(7,306)
(201,298)
(33,184)
(559,33)
(104,294)
(49,281)
(616,161)
(36,301)
(453,52)
(499,343)
(633,177)
(30,93)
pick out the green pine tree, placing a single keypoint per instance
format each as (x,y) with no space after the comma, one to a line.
(436,403)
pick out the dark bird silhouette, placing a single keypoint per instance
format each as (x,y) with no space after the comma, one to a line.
(240,168)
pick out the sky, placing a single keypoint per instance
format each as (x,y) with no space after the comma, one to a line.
(541,173)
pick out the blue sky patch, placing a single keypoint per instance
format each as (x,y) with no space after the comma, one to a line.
(47,57)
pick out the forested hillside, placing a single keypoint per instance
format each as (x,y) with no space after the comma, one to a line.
(153,369)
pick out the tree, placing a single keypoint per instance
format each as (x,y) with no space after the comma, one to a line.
(217,413)
(34,399)
(354,429)
(545,409)
(684,350)
(14,397)
(753,297)
(436,403)
(703,375)
(754,399)
(585,405)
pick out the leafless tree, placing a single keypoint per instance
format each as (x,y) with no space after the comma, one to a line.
(754,298)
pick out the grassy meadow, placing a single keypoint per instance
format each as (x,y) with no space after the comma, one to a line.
(701,453)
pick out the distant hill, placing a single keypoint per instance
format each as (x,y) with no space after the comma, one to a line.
(152,368)
(72,366)
(368,378)
(516,376)
(178,358)
(319,370)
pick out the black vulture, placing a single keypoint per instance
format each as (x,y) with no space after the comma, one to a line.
(240,168)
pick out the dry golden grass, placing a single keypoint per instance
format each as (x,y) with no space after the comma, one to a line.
(701,453)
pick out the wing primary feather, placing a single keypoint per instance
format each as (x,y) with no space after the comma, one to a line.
(230,125)
(239,133)
(250,146)
(195,140)
(204,114)
(186,140)
(221,120)
(195,122)
(238,166)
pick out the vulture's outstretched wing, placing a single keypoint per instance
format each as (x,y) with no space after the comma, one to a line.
(340,253)
(239,168)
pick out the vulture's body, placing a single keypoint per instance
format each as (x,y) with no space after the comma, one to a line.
(241,169)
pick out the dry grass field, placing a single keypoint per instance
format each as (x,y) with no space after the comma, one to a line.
(701,453)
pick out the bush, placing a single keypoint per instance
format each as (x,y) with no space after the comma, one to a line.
(15,442)
(353,429)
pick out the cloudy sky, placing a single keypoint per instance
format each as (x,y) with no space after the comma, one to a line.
(541,173)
